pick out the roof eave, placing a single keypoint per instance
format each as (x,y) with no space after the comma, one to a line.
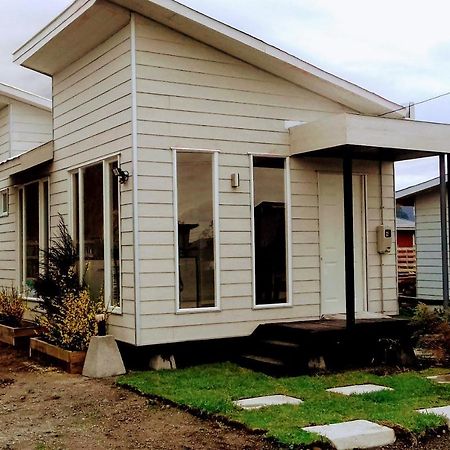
(29,98)
(225,38)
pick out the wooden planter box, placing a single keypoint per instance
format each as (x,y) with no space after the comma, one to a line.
(72,362)
(18,336)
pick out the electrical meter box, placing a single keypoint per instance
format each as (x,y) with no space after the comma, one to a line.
(384,239)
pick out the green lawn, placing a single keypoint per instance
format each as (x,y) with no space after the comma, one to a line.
(212,389)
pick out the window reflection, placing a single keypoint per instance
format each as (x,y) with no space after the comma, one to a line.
(196,230)
(270,230)
(93,228)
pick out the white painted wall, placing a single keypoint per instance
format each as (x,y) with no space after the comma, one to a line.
(428,246)
(191,95)
(92,120)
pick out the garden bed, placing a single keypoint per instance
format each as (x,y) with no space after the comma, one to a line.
(210,390)
(17,336)
(71,362)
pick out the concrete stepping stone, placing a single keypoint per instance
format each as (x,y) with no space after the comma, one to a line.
(355,434)
(443,411)
(359,389)
(269,400)
(441,379)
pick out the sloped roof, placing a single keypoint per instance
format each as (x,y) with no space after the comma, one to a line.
(29,98)
(418,188)
(90,22)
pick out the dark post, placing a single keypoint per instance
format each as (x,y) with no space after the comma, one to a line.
(348,242)
(444,241)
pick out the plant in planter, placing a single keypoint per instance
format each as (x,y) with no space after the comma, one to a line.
(14,330)
(12,307)
(432,332)
(67,312)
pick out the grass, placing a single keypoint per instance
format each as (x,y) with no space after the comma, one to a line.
(212,389)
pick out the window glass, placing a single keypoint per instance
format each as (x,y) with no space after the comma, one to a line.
(31,226)
(115,237)
(96,229)
(4,206)
(93,228)
(270,230)
(196,230)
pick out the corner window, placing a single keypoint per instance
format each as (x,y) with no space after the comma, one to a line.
(33,232)
(4,203)
(96,229)
(197,237)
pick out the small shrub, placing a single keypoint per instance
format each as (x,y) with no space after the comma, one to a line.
(60,277)
(432,331)
(67,312)
(12,307)
(74,323)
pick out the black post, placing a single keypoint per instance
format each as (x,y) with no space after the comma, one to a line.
(444,241)
(348,234)
(446,300)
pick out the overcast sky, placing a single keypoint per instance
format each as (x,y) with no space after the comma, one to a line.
(397,48)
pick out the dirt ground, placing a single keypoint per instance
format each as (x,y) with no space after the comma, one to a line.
(42,408)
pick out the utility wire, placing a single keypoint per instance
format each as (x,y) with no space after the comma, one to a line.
(414,104)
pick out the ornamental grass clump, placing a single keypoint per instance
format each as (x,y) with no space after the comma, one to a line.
(12,307)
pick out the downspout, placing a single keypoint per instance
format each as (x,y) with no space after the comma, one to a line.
(134,139)
(382,223)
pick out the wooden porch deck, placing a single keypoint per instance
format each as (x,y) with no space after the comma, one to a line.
(304,347)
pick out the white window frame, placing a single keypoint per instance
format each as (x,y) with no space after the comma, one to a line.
(216,220)
(107,237)
(4,202)
(44,238)
(288,219)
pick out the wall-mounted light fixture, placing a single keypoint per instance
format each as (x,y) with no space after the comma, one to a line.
(235,180)
(122,175)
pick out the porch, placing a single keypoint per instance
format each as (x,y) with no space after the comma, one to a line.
(328,344)
(350,137)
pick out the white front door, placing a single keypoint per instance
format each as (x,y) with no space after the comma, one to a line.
(332,245)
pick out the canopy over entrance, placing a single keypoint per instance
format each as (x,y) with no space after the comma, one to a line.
(367,137)
(351,136)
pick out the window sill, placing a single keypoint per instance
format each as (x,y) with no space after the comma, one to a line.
(273,306)
(198,310)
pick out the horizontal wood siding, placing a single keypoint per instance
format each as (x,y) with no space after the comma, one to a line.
(8,232)
(191,95)
(428,245)
(5,152)
(30,127)
(92,120)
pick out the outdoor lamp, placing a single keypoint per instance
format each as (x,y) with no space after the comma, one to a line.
(122,175)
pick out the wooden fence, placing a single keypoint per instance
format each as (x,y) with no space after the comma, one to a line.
(406,262)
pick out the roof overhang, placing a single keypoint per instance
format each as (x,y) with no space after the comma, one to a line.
(29,160)
(421,188)
(90,22)
(366,137)
(80,28)
(8,92)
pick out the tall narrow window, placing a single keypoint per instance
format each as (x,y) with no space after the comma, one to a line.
(196,236)
(93,228)
(270,230)
(4,202)
(33,231)
(113,248)
(96,229)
